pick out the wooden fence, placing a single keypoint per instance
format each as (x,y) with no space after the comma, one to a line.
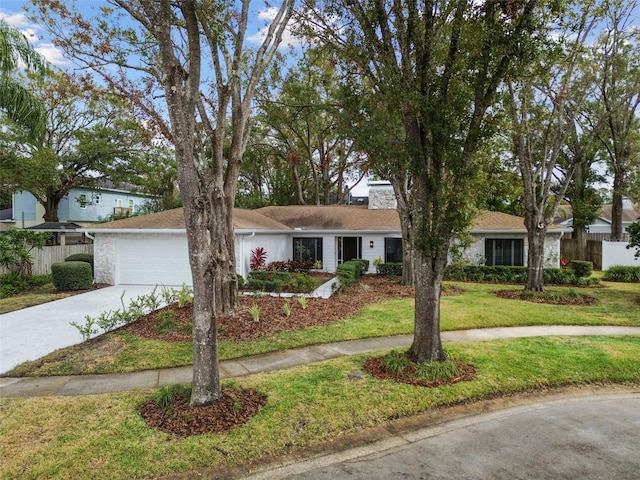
(42,259)
(569,250)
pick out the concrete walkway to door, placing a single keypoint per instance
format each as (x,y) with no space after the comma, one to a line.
(34,332)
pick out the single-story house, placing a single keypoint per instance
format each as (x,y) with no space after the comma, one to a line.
(152,249)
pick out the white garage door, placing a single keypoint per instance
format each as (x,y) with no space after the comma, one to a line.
(161,260)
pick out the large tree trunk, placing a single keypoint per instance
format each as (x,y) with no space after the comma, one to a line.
(429,270)
(399,183)
(617,232)
(536,231)
(50,204)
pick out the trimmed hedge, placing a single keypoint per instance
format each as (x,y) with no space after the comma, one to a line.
(518,275)
(80,257)
(349,271)
(389,269)
(277,281)
(365,264)
(72,276)
(619,273)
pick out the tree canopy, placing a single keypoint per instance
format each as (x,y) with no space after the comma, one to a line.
(90,139)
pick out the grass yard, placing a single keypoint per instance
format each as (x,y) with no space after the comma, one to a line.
(33,296)
(103,436)
(475,307)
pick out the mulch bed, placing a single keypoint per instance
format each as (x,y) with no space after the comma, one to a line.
(375,367)
(233,409)
(241,326)
(546,297)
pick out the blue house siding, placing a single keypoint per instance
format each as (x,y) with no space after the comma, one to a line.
(98,205)
(24,207)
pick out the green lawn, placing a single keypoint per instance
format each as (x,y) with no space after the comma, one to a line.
(103,436)
(476,307)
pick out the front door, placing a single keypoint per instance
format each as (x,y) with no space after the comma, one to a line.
(349,248)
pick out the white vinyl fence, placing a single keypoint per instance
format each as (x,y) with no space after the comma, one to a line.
(42,259)
(617,253)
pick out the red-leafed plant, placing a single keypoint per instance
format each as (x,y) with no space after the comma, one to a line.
(564,262)
(258,258)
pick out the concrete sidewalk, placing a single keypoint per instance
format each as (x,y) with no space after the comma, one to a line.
(95,384)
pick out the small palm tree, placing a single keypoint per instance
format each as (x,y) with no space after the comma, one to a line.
(16,101)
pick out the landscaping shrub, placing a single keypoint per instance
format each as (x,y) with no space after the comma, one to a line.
(559,276)
(517,275)
(581,268)
(365,264)
(14,283)
(619,273)
(72,276)
(290,266)
(348,272)
(80,257)
(278,281)
(389,269)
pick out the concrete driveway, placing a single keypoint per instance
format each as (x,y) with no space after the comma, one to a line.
(33,332)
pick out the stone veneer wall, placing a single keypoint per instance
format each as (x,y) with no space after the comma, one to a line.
(104,259)
(382,197)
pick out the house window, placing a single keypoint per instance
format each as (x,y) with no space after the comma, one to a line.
(96,198)
(82,200)
(131,206)
(307,249)
(504,251)
(393,250)
(118,202)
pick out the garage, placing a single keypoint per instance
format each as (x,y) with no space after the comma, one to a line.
(153,260)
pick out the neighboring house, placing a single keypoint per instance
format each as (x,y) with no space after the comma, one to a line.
(62,233)
(79,205)
(602,224)
(152,249)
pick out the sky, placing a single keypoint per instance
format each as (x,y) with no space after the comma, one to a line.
(13,13)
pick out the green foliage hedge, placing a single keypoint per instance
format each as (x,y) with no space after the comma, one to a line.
(505,274)
(349,271)
(72,276)
(365,264)
(619,273)
(389,269)
(13,283)
(80,257)
(277,281)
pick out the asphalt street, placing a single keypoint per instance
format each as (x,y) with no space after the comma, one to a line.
(589,437)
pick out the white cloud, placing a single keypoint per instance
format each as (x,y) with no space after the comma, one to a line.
(267,15)
(53,54)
